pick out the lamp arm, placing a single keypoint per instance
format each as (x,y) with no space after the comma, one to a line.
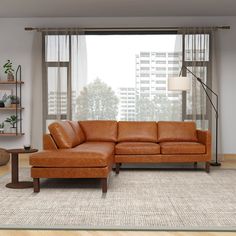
(198,79)
(210,100)
(204,86)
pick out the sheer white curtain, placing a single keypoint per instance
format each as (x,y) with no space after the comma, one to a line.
(198,59)
(36,105)
(78,69)
(65,73)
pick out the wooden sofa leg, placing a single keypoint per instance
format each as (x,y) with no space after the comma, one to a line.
(118,168)
(208,167)
(104,185)
(195,165)
(36,185)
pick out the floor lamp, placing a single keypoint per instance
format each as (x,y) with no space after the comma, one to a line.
(182,83)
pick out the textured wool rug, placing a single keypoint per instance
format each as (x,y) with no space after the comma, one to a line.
(136,199)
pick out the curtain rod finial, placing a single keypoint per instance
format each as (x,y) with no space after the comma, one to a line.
(225,27)
(29,28)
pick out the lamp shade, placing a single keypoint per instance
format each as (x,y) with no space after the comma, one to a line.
(179,84)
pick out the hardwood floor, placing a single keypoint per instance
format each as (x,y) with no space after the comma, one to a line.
(108,233)
(228,163)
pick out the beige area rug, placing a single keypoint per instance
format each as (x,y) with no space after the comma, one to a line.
(136,199)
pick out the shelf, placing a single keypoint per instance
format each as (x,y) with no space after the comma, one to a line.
(10,82)
(11,108)
(11,134)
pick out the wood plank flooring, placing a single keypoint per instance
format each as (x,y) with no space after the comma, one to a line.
(228,163)
(108,233)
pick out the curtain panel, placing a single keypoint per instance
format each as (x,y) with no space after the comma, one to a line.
(64,73)
(197,57)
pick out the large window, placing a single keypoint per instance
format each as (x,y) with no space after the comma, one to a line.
(120,77)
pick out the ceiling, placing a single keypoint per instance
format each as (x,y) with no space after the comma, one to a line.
(116,8)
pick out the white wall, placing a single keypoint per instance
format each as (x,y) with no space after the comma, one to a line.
(17,44)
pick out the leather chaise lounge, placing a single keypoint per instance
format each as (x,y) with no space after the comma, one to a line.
(89,149)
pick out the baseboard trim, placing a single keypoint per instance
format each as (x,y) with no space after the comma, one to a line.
(228,155)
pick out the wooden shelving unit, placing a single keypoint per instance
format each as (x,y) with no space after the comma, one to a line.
(17,109)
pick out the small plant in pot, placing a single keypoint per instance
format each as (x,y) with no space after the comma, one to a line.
(6,100)
(14,100)
(12,120)
(2,127)
(9,70)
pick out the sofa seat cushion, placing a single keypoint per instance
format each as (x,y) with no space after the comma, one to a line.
(137,148)
(89,154)
(182,148)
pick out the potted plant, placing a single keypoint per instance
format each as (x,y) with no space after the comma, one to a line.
(12,120)
(14,100)
(7,100)
(9,70)
(2,127)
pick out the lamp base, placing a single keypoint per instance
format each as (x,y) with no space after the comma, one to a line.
(215,164)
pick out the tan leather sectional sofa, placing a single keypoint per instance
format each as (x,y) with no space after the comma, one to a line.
(89,149)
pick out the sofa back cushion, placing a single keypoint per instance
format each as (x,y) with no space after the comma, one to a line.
(78,131)
(176,131)
(100,130)
(64,134)
(137,131)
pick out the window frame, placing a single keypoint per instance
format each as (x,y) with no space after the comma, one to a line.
(45,65)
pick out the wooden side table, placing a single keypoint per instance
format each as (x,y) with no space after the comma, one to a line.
(15,183)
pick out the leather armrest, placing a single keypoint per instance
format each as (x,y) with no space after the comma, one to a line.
(204,137)
(48,142)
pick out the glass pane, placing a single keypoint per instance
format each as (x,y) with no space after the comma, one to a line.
(56,48)
(57,90)
(124,77)
(197,47)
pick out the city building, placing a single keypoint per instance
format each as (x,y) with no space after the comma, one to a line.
(126,97)
(152,71)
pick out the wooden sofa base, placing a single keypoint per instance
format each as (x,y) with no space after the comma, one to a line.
(163,159)
(36,185)
(207,167)
(41,172)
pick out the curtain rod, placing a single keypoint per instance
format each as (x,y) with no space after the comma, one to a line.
(119,29)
